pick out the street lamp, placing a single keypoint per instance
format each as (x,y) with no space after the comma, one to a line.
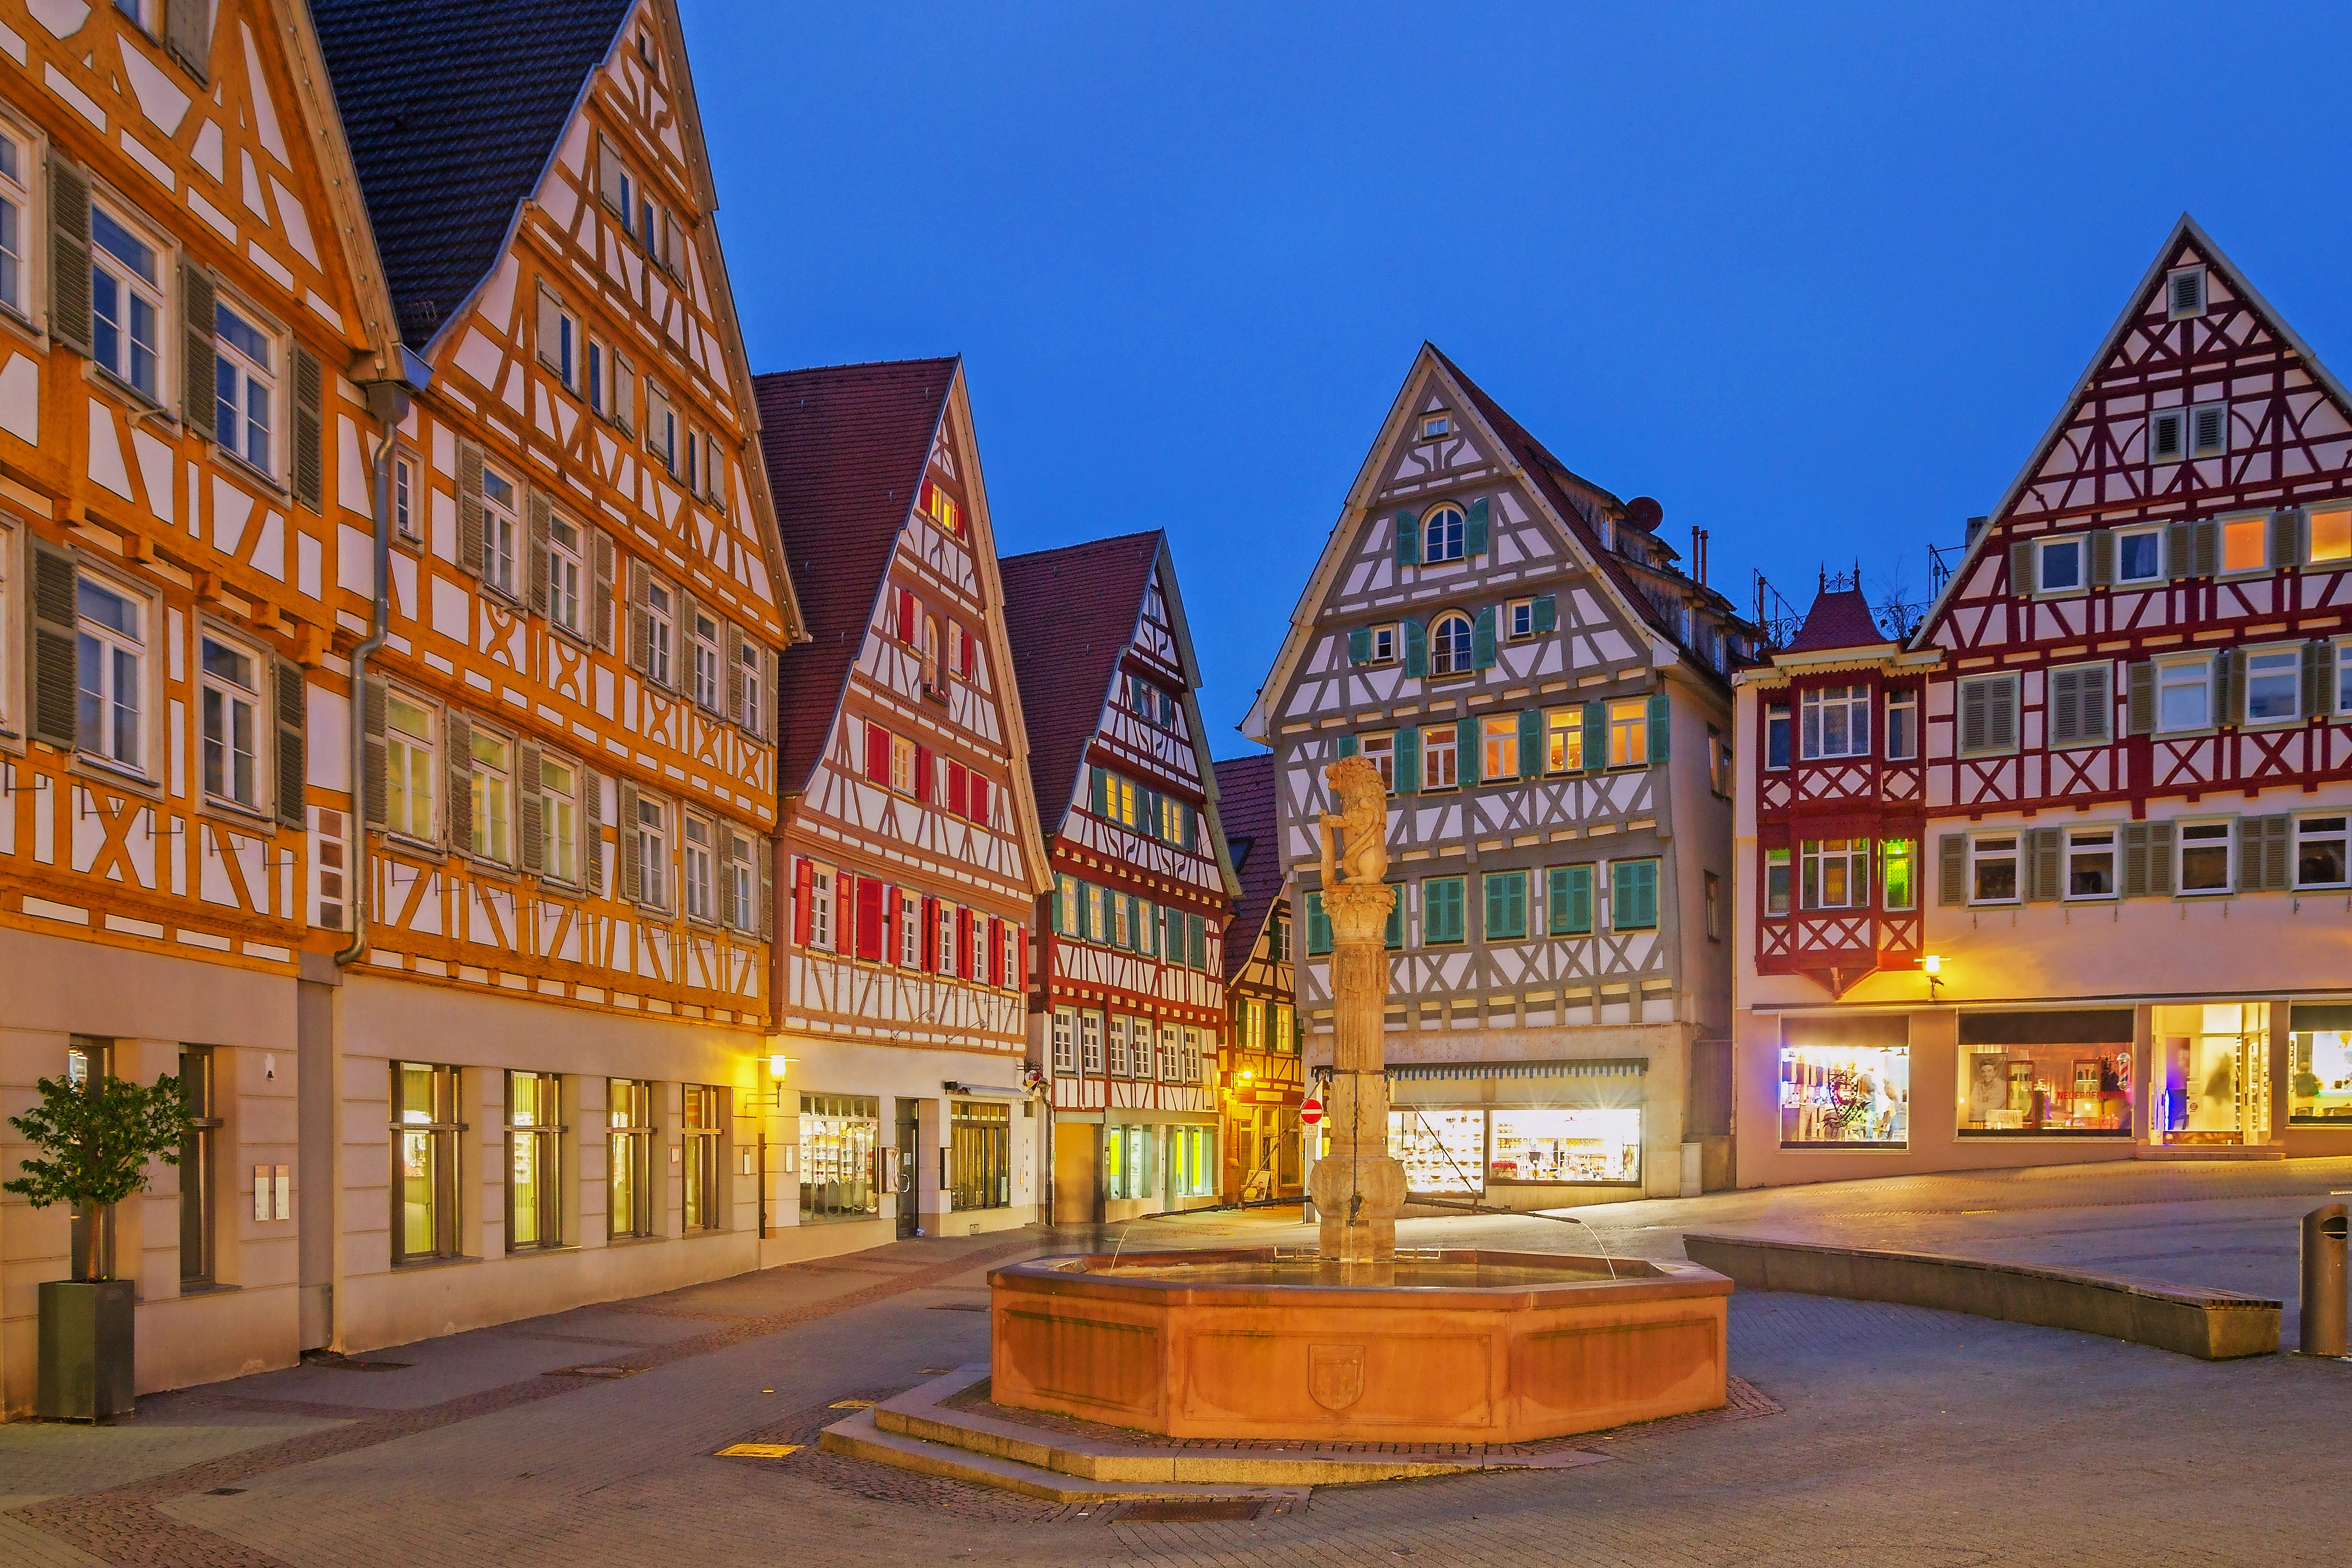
(1932,965)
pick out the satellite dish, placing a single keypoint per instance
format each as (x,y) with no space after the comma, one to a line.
(1644,513)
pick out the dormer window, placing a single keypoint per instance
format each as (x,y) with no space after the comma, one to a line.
(941,509)
(2184,293)
(1443,532)
(1434,425)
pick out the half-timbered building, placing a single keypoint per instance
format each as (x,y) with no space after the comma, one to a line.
(909,857)
(1126,1003)
(1544,689)
(1263,1082)
(2062,877)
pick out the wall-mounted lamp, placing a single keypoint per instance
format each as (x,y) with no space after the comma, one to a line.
(1932,965)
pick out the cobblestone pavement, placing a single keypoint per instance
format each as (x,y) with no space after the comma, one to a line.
(1905,1440)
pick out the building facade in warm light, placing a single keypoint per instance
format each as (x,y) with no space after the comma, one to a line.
(1263,1084)
(2061,876)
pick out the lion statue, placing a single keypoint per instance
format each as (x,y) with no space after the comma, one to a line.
(1355,837)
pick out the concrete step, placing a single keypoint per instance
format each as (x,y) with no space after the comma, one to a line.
(860,1438)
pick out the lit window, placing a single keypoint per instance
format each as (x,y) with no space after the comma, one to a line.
(943,510)
(126,303)
(111,674)
(698,872)
(2184,692)
(1443,532)
(2319,852)
(2274,687)
(567,567)
(1836,874)
(1449,646)
(558,819)
(1899,864)
(501,526)
(1564,740)
(231,721)
(408,766)
(15,202)
(1776,881)
(244,381)
(1629,734)
(2091,863)
(2061,566)
(2205,857)
(1498,747)
(1439,761)
(1379,750)
(1994,869)
(1902,726)
(2245,544)
(2331,533)
(2139,557)
(1836,721)
(902,765)
(493,796)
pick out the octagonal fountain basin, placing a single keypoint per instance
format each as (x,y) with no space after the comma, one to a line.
(1438,1347)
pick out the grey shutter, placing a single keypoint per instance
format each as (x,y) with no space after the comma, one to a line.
(310,432)
(591,819)
(187,35)
(1416,648)
(2141,718)
(731,650)
(2263,843)
(767,852)
(2098,702)
(69,256)
(2315,680)
(1408,761)
(469,508)
(541,509)
(530,809)
(2278,854)
(2066,707)
(2160,858)
(610,171)
(550,332)
(624,833)
(2135,854)
(2000,712)
(2230,686)
(2103,558)
(2251,833)
(1408,539)
(1474,544)
(1531,743)
(1359,646)
(199,389)
(1482,640)
(1974,708)
(457,767)
(50,650)
(1952,868)
(2179,550)
(681,667)
(2286,539)
(2044,863)
(730,851)
(600,627)
(293,762)
(1547,612)
(641,627)
(2021,567)
(625,395)
(2205,548)
(371,753)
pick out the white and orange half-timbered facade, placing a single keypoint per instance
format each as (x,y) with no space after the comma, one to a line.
(1127,999)
(2064,876)
(908,861)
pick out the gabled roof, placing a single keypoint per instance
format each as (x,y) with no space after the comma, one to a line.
(1840,618)
(1245,792)
(453,109)
(1071,613)
(846,447)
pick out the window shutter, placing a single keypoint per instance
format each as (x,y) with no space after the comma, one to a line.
(52,653)
(69,256)
(731,653)
(1408,761)
(625,841)
(2066,707)
(1547,610)
(1473,543)
(1531,743)
(457,767)
(2045,854)
(2136,850)
(600,613)
(2001,713)
(541,509)
(2161,860)
(1661,727)
(1466,760)
(2278,854)
(2021,567)
(2098,702)
(681,669)
(550,330)
(1359,646)
(1975,703)
(1596,736)
(199,321)
(961,966)
(469,508)
(803,893)
(641,628)
(923,774)
(1408,527)
(610,173)
(2262,854)
(2286,539)
(2230,686)
(2103,558)
(2141,718)
(292,763)
(2179,550)
(1416,648)
(1952,868)
(625,395)
(877,753)
(309,426)
(869,918)
(959,790)
(1482,640)
(2315,680)
(1347,746)
(766,848)
(591,833)
(531,810)
(979,802)
(187,36)
(2205,547)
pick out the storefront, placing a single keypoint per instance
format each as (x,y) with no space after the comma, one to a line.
(1157,1167)
(1525,1136)
(2047,1075)
(840,1176)
(980,1154)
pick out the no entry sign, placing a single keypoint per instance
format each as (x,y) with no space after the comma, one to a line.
(1310,1113)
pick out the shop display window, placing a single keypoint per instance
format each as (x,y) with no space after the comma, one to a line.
(1845,1096)
(1441,1151)
(980,1158)
(1581,1146)
(838,1136)
(2046,1090)
(1192,1161)
(1127,1162)
(2211,1073)
(2320,1068)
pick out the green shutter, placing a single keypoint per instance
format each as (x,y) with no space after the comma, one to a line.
(1482,640)
(1634,895)
(1318,926)
(1506,904)
(1476,543)
(1060,905)
(1408,539)
(1392,935)
(1416,649)
(1596,736)
(1531,743)
(1097,796)
(1658,726)
(1570,897)
(1347,746)
(1359,646)
(1547,612)
(1196,934)
(1408,761)
(1440,909)
(1465,752)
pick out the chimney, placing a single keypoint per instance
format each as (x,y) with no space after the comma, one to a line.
(1699,554)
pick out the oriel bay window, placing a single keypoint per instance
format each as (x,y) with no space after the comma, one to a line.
(629,1148)
(425,1129)
(1835,873)
(1776,881)
(1836,721)
(706,1114)
(534,1161)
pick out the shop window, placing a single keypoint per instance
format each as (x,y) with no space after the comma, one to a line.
(980,1154)
(1568,897)
(424,1128)
(1836,721)
(1836,874)
(1441,1151)
(2319,852)
(1507,905)
(2320,1066)
(839,1133)
(2211,1073)
(2047,1090)
(1776,881)
(1898,868)
(2091,863)
(1564,1145)
(1845,1096)
(534,1161)
(1994,869)
(2204,857)
(200,1094)
(1441,910)
(1127,1162)
(1192,1161)
(629,1132)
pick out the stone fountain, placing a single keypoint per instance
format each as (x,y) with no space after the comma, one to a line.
(1356,1342)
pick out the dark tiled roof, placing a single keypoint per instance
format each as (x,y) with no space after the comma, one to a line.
(845,449)
(1840,618)
(1245,802)
(1071,613)
(453,108)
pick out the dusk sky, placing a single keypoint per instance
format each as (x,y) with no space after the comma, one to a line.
(1816,278)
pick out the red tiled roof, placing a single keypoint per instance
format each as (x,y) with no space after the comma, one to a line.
(845,448)
(1070,613)
(1246,803)
(1840,618)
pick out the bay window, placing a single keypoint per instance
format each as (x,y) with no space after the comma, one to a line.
(1776,881)
(1835,873)
(1836,721)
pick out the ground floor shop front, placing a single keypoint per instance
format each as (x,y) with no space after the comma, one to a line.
(1117,1165)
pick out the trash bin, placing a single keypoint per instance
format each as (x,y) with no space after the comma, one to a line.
(2324,1229)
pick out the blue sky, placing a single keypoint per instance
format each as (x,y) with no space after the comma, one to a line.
(1815,277)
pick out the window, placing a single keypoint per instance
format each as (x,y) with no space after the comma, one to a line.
(1120,1064)
(661,427)
(1498,746)
(1090,1042)
(1902,726)
(2083,1088)
(697,870)
(1379,750)
(2139,557)
(653,852)
(902,764)
(2082,705)
(493,796)
(910,927)
(1066,1040)
(559,341)
(1719,762)
(1564,1145)
(661,618)
(558,819)
(111,673)
(16,203)
(1280,929)
(1629,734)
(1127,1161)
(1449,646)
(980,1154)
(404,499)
(2184,692)
(707,674)
(1507,905)
(566,568)
(1988,714)
(1776,735)
(2205,857)
(408,766)
(126,304)
(942,509)
(1898,864)
(2060,570)
(244,380)
(2166,428)
(2331,533)
(2184,293)
(2319,852)
(199,1191)
(1776,881)
(706,1114)
(1434,425)
(1714,906)
(1634,895)
(629,1132)
(1319,924)
(500,525)
(1439,761)
(838,1136)
(1521,620)
(424,1128)
(231,717)
(1994,869)
(1440,909)
(534,1161)
(1564,740)
(2208,431)
(2274,685)
(1383,645)
(1846,1095)
(2245,544)
(2091,863)
(1835,873)
(1442,533)
(749,664)
(1837,721)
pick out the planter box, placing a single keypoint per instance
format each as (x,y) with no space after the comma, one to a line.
(88,1350)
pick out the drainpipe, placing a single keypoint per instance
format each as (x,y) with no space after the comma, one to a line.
(388,401)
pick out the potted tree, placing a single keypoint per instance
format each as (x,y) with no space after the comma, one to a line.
(95,1141)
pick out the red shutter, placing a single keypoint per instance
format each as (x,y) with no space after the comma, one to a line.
(959,789)
(995,951)
(1021,958)
(889,924)
(869,918)
(978,799)
(844,914)
(969,661)
(962,966)
(923,774)
(803,891)
(877,754)
(931,935)
(907,615)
